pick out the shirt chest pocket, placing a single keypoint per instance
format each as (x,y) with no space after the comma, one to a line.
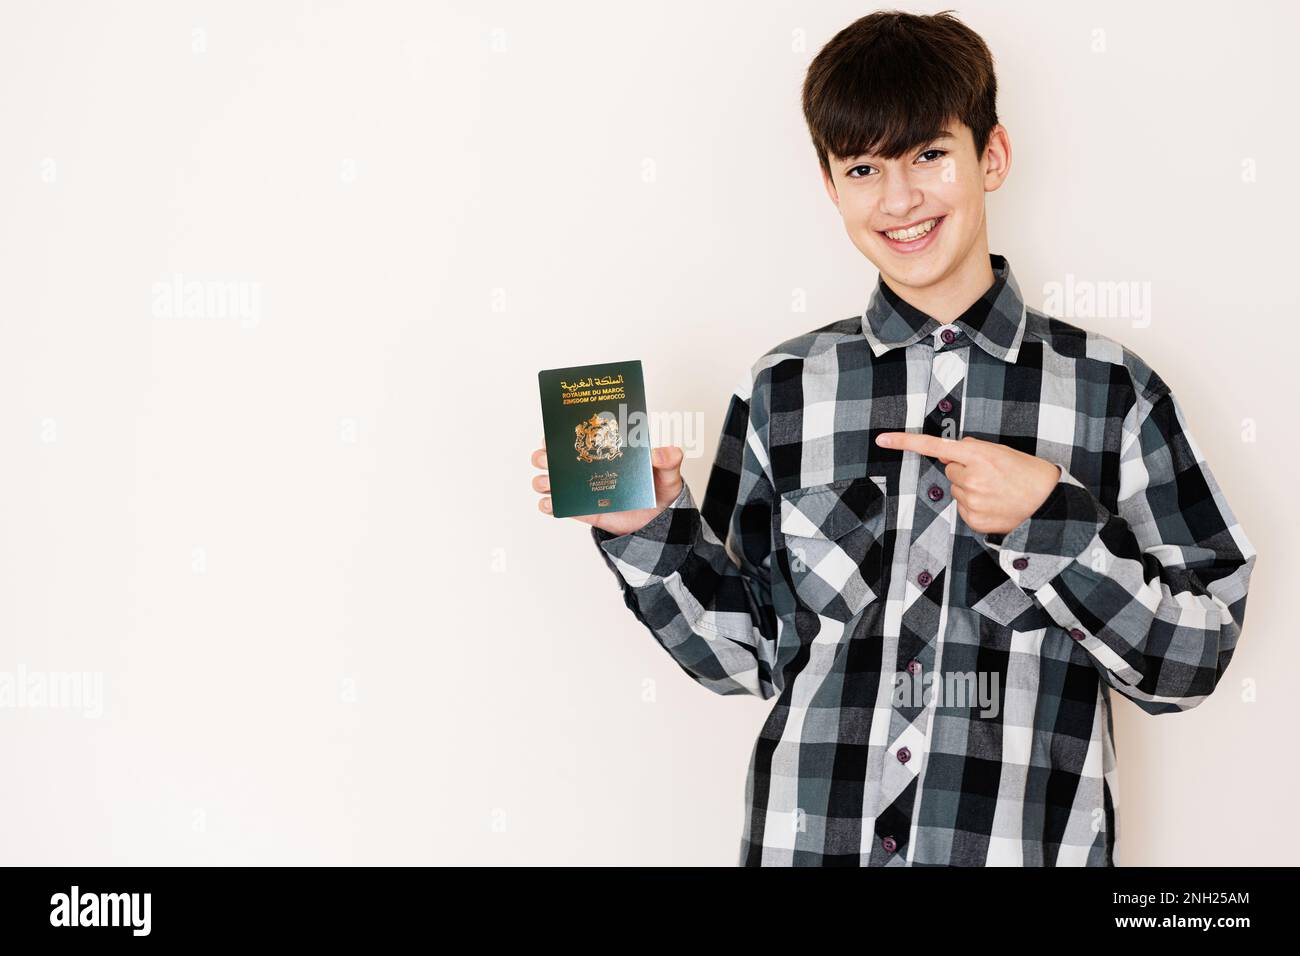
(834,536)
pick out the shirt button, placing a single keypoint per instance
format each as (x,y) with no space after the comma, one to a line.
(1077,634)
(945,405)
(948,335)
(1020,563)
(904,755)
(914,667)
(935,492)
(889,844)
(924,578)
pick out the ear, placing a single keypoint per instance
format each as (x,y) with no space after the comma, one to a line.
(829,183)
(997,158)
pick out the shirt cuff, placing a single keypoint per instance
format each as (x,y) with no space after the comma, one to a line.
(1057,534)
(659,547)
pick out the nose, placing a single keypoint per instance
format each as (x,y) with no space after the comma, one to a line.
(899,196)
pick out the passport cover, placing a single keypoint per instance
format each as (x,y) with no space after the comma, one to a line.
(597,438)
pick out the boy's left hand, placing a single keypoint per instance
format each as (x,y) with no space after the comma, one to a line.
(995,486)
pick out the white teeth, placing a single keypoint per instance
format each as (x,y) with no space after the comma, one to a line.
(915,232)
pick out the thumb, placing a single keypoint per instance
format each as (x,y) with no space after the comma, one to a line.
(667,462)
(667,458)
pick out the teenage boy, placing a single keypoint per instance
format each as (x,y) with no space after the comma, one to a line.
(938,533)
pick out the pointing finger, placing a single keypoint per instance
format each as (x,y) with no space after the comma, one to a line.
(932,446)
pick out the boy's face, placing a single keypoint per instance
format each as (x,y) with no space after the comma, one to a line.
(937,189)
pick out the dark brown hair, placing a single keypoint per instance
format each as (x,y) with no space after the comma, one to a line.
(888,82)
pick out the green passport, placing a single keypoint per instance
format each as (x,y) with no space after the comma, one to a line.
(597,438)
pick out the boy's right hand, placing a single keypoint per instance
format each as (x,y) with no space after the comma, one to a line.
(667,463)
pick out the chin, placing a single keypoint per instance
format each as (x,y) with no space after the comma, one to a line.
(915,271)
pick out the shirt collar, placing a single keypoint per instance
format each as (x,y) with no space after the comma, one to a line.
(995,321)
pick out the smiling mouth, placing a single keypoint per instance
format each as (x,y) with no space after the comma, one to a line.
(912,232)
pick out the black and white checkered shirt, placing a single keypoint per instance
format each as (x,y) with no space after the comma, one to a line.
(942,695)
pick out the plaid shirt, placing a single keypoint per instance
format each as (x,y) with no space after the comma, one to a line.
(942,695)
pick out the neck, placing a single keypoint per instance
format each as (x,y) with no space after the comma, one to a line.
(956,292)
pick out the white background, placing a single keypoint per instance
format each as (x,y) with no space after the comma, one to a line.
(301,551)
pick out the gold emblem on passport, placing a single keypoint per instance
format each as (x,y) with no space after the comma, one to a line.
(597,439)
